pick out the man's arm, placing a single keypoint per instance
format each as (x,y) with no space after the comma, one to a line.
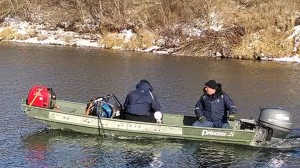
(126,102)
(155,103)
(230,106)
(199,107)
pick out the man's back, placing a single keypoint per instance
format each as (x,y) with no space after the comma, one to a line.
(141,101)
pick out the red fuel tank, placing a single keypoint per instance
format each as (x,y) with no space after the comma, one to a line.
(41,96)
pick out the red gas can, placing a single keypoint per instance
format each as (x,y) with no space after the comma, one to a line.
(41,96)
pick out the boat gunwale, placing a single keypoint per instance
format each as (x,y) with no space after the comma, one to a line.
(166,135)
(128,121)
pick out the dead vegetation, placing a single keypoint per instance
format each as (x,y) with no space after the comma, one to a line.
(215,43)
(7,34)
(249,27)
(141,40)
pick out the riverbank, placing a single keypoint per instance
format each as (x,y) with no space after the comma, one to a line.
(171,29)
(16,30)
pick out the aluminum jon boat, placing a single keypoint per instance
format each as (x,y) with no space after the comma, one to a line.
(274,124)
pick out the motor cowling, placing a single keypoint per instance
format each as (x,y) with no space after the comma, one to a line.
(278,120)
(41,96)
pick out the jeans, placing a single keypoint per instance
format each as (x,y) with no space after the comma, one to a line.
(215,124)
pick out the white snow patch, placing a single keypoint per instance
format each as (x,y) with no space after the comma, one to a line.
(150,49)
(117,48)
(126,35)
(215,23)
(161,52)
(295,33)
(192,31)
(86,43)
(294,58)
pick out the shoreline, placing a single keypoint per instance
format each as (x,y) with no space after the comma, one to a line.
(25,32)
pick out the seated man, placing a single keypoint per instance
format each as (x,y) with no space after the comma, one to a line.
(212,107)
(142,103)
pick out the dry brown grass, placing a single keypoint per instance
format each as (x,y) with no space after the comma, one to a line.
(251,14)
(273,43)
(247,49)
(41,37)
(32,33)
(258,15)
(21,36)
(272,21)
(5,8)
(270,42)
(67,39)
(142,40)
(111,39)
(7,34)
(266,22)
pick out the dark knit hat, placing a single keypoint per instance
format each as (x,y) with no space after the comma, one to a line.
(211,84)
(144,81)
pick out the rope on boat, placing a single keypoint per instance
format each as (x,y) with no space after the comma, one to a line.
(36,95)
(101,125)
(93,105)
(99,118)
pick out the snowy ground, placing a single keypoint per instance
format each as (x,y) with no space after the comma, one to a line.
(60,37)
(294,59)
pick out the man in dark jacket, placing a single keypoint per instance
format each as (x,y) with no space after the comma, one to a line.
(213,107)
(142,103)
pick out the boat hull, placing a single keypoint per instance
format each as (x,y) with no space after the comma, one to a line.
(71,116)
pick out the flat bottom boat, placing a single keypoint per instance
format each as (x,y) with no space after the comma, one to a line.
(273,124)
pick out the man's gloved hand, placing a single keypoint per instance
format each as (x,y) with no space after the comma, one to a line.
(202,119)
(231,117)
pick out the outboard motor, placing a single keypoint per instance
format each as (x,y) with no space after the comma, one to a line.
(41,96)
(277,120)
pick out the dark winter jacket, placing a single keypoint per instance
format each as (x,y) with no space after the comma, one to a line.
(141,101)
(215,107)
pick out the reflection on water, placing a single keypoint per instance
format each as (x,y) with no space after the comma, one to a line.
(220,155)
(37,151)
(156,159)
(48,149)
(79,150)
(69,149)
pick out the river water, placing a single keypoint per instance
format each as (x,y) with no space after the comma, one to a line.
(79,74)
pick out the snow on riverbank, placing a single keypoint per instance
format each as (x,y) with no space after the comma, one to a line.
(294,59)
(25,32)
(36,34)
